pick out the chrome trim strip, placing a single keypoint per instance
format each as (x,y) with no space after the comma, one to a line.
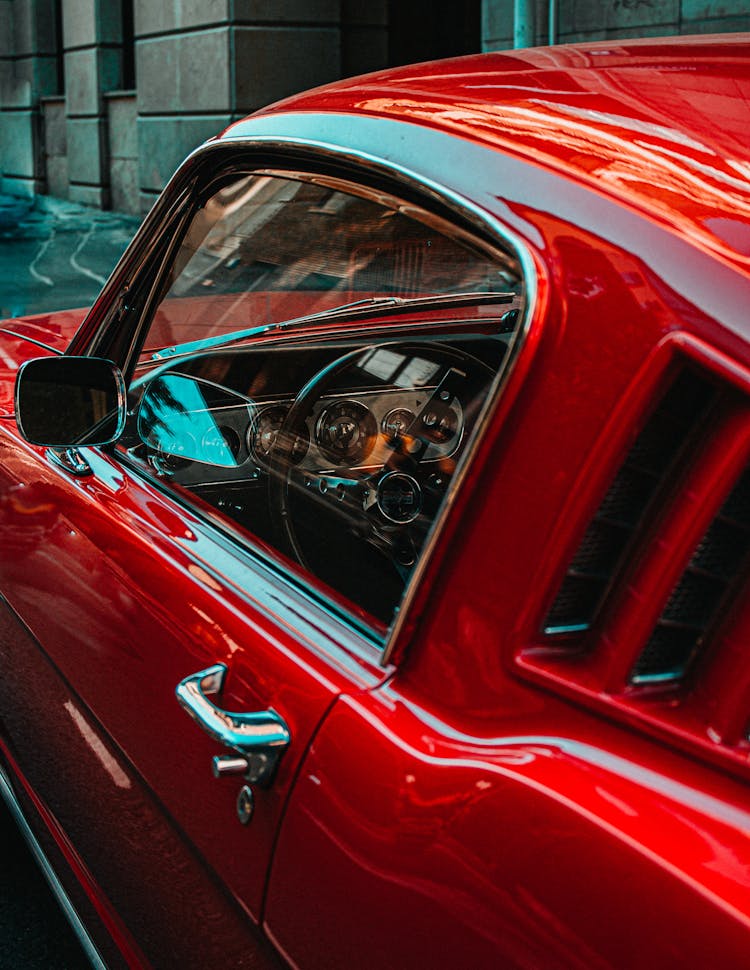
(49,874)
(30,340)
(563,628)
(242,550)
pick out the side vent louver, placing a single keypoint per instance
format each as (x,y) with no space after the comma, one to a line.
(651,616)
(649,468)
(695,604)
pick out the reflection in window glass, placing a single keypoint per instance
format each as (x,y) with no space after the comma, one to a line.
(265,250)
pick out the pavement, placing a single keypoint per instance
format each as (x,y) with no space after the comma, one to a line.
(34,934)
(55,255)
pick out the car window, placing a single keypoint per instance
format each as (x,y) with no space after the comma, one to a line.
(314,372)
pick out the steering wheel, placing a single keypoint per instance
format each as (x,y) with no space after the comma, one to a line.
(390,509)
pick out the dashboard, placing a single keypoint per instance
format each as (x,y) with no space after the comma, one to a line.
(356,428)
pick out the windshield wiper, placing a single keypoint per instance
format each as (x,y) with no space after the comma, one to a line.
(374,306)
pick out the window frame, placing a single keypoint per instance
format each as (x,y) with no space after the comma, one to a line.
(316,162)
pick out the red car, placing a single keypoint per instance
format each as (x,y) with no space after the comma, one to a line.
(406,451)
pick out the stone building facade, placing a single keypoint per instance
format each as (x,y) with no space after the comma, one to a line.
(101,99)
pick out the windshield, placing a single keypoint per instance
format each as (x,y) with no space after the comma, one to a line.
(265,249)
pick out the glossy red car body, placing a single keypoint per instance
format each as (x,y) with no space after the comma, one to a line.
(484,784)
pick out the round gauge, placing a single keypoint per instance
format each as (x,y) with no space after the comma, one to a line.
(220,445)
(346,432)
(396,423)
(181,448)
(399,497)
(264,431)
(439,423)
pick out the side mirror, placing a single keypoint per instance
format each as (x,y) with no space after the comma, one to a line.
(70,402)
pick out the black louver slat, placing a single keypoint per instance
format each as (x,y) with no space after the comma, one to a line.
(698,600)
(648,467)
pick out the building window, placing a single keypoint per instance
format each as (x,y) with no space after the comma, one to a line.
(128,46)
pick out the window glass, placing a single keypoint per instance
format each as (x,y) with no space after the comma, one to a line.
(329,437)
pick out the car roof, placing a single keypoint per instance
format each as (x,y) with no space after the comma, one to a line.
(660,124)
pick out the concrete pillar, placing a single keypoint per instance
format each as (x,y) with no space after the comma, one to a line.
(201,64)
(123,151)
(54,125)
(93,64)
(28,71)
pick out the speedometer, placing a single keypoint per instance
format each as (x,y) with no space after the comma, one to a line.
(396,423)
(263,433)
(346,432)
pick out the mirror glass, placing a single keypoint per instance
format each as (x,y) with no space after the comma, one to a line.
(195,420)
(64,402)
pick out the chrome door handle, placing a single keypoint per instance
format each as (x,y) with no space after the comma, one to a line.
(259,737)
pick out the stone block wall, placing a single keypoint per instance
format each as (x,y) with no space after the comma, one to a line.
(201,64)
(28,72)
(55,145)
(591,20)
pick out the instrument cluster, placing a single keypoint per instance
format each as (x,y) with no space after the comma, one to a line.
(355,430)
(349,429)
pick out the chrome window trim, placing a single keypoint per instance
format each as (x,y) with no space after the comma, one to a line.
(9,797)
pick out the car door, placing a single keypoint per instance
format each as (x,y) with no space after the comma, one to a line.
(113,594)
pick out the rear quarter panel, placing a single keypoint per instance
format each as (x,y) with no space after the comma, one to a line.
(414,842)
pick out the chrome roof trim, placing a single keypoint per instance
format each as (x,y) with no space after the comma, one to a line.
(9,797)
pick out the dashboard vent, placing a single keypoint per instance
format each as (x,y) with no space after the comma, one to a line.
(696,603)
(650,467)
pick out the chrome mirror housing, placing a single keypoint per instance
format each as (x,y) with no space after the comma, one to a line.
(70,402)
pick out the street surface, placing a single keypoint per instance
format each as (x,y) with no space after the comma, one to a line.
(53,256)
(56,257)
(33,931)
